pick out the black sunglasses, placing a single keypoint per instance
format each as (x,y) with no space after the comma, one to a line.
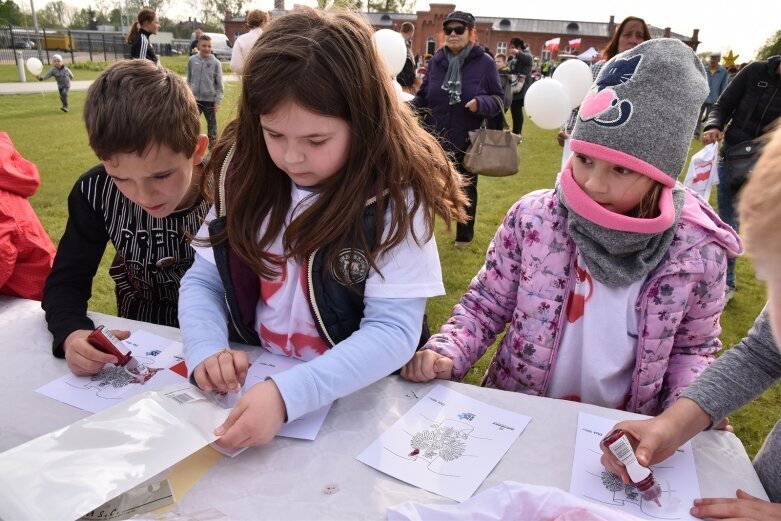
(458,29)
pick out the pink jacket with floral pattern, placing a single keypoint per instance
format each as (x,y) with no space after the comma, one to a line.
(526,280)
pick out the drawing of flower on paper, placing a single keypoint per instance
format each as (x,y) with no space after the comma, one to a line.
(438,441)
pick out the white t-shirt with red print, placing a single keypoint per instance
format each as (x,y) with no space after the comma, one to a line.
(285,322)
(598,349)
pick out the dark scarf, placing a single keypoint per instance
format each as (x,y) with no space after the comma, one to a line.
(616,258)
(452,81)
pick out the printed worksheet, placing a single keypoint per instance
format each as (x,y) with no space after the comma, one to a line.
(266,364)
(677,476)
(447,443)
(113,384)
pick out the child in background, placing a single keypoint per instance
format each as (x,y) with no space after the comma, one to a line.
(504,79)
(26,252)
(613,281)
(321,243)
(146,197)
(204,75)
(742,373)
(63,75)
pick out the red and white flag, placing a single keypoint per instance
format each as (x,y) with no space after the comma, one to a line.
(574,44)
(553,44)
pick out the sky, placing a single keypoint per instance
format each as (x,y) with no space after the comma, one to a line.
(742,26)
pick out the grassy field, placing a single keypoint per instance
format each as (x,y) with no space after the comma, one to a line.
(57,143)
(90,70)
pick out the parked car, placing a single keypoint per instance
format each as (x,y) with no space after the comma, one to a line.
(24,44)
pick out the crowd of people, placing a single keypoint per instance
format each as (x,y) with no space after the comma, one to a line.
(302,229)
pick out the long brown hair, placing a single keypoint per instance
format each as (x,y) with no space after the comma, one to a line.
(648,207)
(144,15)
(612,46)
(326,62)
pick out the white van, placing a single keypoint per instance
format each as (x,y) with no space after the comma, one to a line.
(222,48)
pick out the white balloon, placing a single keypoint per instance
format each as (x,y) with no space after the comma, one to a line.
(34,65)
(576,77)
(547,103)
(390,45)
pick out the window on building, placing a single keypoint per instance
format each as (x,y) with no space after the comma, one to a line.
(546,55)
(501,47)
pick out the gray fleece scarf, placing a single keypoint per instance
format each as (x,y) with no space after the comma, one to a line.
(452,80)
(617,258)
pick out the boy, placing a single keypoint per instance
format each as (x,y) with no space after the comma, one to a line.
(204,75)
(145,197)
(63,76)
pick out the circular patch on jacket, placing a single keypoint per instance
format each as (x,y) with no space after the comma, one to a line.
(351,265)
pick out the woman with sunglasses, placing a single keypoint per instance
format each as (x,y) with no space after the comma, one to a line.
(460,89)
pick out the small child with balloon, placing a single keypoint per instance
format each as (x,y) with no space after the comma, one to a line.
(612,282)
(61,73)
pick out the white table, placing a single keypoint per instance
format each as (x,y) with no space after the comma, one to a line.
(296,479)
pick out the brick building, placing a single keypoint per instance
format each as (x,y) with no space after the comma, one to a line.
(494,33)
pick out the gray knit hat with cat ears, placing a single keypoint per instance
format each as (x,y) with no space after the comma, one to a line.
(642,110)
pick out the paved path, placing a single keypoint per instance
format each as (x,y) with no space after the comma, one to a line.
(50,85)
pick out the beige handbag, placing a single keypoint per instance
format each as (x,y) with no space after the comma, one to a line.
(492,152)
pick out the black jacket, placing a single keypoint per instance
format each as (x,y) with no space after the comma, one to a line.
(750,104)
(141,48)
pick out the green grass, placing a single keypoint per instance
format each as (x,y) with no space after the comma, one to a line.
(90,70)
(57,143)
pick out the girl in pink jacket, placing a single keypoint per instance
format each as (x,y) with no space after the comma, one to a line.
(612,283)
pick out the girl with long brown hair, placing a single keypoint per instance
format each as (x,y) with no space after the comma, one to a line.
(320,245)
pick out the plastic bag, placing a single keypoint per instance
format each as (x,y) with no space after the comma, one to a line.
(703,173)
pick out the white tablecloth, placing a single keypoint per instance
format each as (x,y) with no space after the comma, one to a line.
(321,479)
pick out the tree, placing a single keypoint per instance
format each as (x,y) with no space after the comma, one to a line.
(56,14)
(772,47)
(391,6)
(340,4)
(10,13)
(217,8)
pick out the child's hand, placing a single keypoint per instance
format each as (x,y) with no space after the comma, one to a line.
(82,357)
(472,105)
(427,365)
(255,420)
(744,506)
(224,372)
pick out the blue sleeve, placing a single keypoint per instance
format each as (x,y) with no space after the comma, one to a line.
(203,318)
(386,340)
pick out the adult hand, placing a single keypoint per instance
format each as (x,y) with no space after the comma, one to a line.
(472,105)
(711,136)
(652,440)
(427,365)
(40,78)
(561,137)
(83,358)
(255,420)
(216,107)
(744,506)
(224,371)
(656,439)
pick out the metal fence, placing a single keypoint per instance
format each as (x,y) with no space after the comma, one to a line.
(73,45)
